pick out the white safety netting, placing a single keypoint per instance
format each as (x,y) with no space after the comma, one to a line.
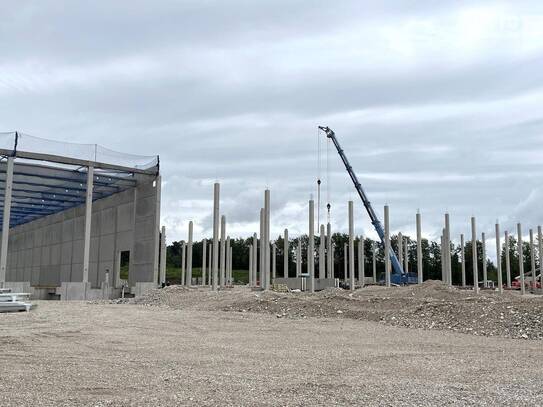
(87,152)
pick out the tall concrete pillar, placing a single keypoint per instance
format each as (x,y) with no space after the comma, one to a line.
(227,277)
(373,262)
(400,247)
(345,262)
(189,256)
(361,261)
(204,249)
(333,269)
(406,255)
(540,246)
(6,216)
(299,258)
(223,252)
(216,192)
(532,259)
(261,262)
(322,256)
(442,256)
(230,273)
(485,274)
(267,236)
(274,261)
(351,245)
(210,263)
(448,262)
(88,223)
(183,263)
(285,254)
(507,261)
(419,249)
(250,265)
(163,255)
(474,255)
(521,259)
(311,247)
(387,247)
(255,260)
(499,258)
(329,257)
(463,259)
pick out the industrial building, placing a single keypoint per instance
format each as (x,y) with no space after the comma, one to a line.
(78,221)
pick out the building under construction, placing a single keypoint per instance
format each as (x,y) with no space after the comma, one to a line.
(78,221)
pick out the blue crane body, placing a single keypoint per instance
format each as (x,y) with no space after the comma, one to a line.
(399,276)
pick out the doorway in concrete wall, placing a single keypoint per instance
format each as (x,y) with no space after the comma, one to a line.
(124,267)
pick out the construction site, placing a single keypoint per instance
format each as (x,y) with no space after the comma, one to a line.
(301,315)
(284,203)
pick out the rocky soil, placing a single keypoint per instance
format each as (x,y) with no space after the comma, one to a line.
(428,306)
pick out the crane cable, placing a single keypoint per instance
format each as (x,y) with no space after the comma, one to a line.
(318,179)
(328,206)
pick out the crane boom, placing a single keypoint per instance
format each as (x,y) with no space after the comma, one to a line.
(396,265)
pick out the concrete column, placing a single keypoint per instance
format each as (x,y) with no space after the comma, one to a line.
(442,257)
(227,266)
(400,247)
(532,259)
(521,259)
(311,247)
(322,256)
(345,262)
(463,258)
(255,260)
(387,247)
(540,246)
(88,223)
(262,250)
(163,255)
(183,262)
(448,265)
(406,255)
(485,274)
(507,261)
(361,261)
(250,265)
(351,245)
(499,258)
(189,255)
(209,262)
(223,252)
(230,273)
(474,255)
(299,258)
(267,236)
(274,261)
(329,258)
(419,249)
(215,236)
(333,269)
(204,248)
(285,254)
(6,219)
(373,262)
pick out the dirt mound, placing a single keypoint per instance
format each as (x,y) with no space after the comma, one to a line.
(431,305)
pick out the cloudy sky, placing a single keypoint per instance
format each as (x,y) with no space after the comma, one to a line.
(439,106)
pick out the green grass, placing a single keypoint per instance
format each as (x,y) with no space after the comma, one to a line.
(173,275)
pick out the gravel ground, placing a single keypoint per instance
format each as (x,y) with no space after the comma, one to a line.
(188,353)
(428,306)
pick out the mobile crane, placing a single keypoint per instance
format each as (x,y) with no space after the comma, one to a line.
(400,277)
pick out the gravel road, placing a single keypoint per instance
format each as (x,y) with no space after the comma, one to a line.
(100,354)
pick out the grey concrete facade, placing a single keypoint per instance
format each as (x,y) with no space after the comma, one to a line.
(50,250)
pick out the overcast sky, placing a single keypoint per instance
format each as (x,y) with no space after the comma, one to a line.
(439,106)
